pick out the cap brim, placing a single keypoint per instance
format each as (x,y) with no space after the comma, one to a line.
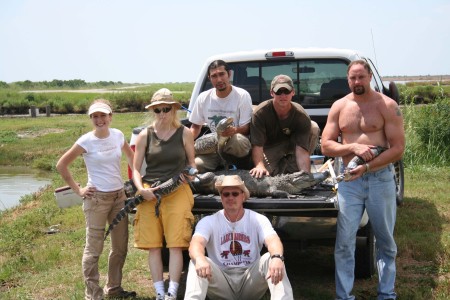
(102,110)
(282,85)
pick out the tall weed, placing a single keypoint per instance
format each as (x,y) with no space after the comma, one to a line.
(423,92)
(427,129)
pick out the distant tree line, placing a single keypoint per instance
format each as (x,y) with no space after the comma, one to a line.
(58,84)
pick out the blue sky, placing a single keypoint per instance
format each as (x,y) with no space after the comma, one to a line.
(167,41)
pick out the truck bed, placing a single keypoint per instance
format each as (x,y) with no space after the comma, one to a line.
(319,200)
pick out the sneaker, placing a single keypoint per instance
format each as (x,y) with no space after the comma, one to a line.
(170,297)
(122,295)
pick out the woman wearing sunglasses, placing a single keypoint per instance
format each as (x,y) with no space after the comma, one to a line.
(282,134)
(167,147)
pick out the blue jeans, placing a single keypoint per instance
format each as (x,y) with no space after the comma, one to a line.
(375,192)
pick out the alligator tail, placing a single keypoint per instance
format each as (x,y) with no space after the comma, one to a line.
(158,203)
(131,204)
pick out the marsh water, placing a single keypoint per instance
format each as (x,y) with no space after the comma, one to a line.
(16,182)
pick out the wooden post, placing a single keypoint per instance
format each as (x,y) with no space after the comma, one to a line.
(47,110)
(33,111)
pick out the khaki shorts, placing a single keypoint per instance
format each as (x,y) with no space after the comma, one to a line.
(238,145)
(175,221)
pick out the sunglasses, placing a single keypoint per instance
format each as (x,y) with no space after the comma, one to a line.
(227,194)
(282,91)
(164,110)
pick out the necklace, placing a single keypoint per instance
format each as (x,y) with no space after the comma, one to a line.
(164,137)
(233,224)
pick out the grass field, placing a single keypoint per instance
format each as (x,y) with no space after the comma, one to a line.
(37,265)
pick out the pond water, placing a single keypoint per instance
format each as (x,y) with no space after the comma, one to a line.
(16,182)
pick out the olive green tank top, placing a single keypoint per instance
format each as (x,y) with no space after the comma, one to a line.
(164,159)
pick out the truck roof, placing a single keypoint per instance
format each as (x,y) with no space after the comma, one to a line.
(309,52)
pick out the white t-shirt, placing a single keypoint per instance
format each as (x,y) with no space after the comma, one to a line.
(249,235)
(210,109)
(102,159)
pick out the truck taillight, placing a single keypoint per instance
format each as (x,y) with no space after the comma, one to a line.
(280,54)
(130,174)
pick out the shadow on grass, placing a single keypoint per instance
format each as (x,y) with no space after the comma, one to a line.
(418,236)
(419,231)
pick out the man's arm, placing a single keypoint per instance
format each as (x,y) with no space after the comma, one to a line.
(276,264)
(302,158)
(258,160)
(331,132)
(244,130)
(195,129)
(197,255)
(395,135)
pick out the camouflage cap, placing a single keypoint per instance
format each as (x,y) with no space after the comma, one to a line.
(281,81)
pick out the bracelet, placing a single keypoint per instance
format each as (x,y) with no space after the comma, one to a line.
(367,168)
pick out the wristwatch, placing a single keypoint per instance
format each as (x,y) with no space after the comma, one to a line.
(277,256)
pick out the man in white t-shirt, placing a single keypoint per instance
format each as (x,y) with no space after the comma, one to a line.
(233,238)
(222,101)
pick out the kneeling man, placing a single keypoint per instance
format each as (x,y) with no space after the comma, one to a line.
(233,238)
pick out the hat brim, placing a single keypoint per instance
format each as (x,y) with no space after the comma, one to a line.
(102,110)
(241,186)
(282,85)
(155,103)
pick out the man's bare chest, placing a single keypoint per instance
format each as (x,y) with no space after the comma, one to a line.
(355,120)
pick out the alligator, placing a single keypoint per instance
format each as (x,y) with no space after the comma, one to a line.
(280,186)
(213,142)
(164,188)
(356,161)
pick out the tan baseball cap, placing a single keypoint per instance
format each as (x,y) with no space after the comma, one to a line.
(281,81)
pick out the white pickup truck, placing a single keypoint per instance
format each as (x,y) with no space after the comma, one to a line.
(319,76)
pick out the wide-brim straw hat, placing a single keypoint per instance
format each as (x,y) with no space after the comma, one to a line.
(163,96)
(232,181)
